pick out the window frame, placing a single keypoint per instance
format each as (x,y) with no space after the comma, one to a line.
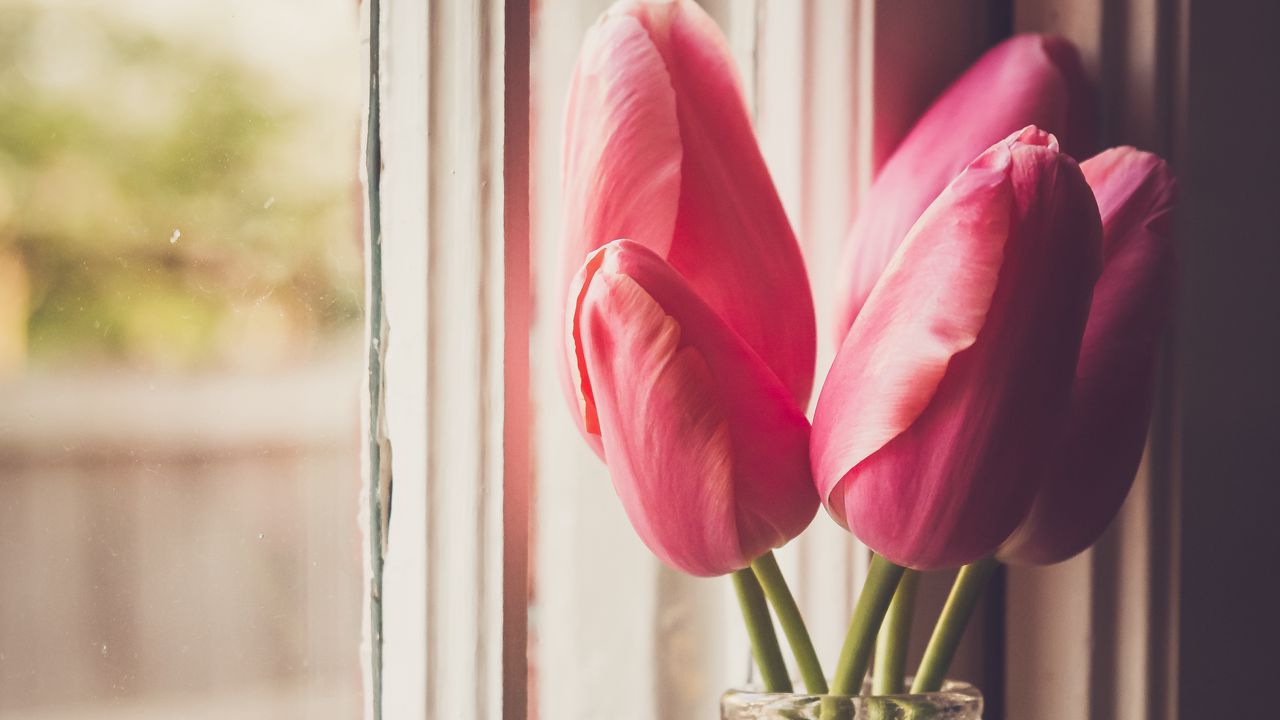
(446,571)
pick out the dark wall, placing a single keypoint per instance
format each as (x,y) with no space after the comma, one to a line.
(1229,350)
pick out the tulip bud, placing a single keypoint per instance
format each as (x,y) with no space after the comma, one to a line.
(934,423)
(1093,469)
(659,149)
(1026,80)
(707,449)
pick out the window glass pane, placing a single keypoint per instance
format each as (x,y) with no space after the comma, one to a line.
(180,358)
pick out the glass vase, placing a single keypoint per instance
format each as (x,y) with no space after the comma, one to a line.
(956,701)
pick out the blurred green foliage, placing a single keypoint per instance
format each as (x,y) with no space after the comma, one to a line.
(170,206)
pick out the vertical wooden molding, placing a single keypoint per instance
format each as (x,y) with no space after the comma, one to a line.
(449,592)
(1047,626)
(403,193)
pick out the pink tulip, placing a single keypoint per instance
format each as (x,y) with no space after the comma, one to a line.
(944,400)
(1091,473)
(707,449)
(659,149)
(1026,80)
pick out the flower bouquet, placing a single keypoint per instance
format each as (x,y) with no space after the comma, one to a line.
(1000,324)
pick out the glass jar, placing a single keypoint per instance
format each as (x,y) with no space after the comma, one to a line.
(956,701)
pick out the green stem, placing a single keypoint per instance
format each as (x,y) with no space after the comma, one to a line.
(764,641)
(951,624)
(784,605)
(891,643)
(873,602)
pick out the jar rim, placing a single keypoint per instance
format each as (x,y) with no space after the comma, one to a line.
(951,690)
(958,699)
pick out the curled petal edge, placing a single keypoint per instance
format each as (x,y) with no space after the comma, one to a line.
(959,242)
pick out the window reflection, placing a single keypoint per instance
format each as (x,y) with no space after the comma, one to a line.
(179,359)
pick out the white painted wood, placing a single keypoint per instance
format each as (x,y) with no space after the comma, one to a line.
(782,86)
(442,207)
(1049,643)
(404,191)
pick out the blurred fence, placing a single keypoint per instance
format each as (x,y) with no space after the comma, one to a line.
(179,546)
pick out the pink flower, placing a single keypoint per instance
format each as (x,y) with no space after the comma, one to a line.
(950,389)
(1093,469)
(659,149)
(707,449)
(1026,80)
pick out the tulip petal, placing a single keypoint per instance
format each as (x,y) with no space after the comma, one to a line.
(930,306)
(706,448)
(952,382)
(622,150)
(622,153)
(669,438)
(732,239)
(1026,80)
(1112,396)
(659,149)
